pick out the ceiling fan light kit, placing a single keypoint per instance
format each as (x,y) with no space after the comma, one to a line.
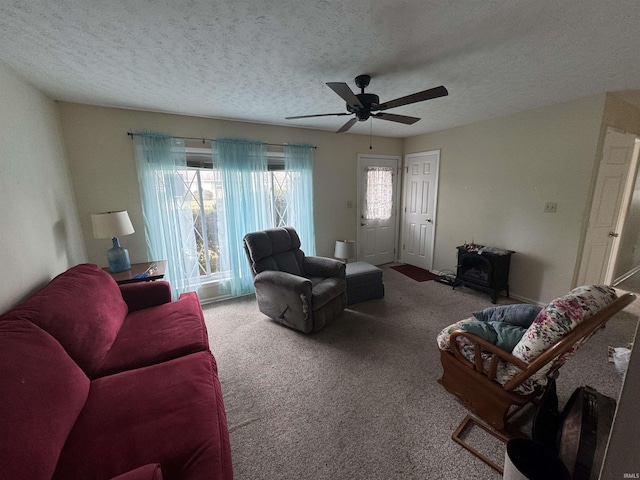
(363,104)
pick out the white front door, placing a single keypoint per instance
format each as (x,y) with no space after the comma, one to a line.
(420,198)
(377,208)
(608,208)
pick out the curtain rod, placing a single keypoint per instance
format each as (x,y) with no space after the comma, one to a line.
(131,134)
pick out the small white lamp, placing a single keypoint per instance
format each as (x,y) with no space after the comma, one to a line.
(111,225)
(345,249)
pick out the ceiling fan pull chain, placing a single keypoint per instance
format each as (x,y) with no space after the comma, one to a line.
(370,133)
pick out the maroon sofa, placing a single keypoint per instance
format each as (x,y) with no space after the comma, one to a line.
(101,382)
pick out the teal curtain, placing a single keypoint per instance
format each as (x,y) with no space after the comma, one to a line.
(166,207)
(298,159)
(246,203)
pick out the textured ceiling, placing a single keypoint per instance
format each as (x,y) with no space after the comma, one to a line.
(263,60)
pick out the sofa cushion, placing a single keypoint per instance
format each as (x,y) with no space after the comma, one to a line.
(42,392)
(82,309)
(158,334)
(171,413)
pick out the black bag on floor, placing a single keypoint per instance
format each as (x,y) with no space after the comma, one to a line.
(580,433)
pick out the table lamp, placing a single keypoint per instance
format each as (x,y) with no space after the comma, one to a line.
(345,249)
(111,225)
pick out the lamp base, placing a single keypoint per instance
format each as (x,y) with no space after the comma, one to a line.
(118,257)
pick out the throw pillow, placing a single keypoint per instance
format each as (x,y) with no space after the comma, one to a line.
(521,315)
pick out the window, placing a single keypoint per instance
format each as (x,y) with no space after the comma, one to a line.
(203,185)
(379,193)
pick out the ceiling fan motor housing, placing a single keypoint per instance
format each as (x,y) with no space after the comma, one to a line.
(368,100)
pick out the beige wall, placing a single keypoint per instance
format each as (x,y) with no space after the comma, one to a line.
(102,163)
(39,233)
(497,175)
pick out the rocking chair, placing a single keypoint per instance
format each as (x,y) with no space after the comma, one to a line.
(495,384)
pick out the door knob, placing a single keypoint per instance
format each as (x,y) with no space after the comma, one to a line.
(429,220)
(613,234)
(362,224)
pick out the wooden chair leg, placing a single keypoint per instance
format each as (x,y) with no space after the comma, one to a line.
(500,435)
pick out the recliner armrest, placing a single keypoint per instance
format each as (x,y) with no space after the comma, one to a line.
(285,280)
(324,267)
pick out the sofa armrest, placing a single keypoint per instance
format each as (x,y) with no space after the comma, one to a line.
(145,294)
(324,267)
(151,471)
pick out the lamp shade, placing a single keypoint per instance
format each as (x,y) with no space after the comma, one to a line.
(345,249)
(111,224)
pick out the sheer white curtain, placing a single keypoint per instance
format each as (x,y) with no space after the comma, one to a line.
(379,197)
(246,203)
(168,217)
(298,160)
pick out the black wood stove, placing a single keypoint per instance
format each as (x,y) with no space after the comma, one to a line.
(484,268)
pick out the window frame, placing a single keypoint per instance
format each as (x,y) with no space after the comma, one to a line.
(199,158)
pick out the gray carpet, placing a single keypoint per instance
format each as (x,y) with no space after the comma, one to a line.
(360,399)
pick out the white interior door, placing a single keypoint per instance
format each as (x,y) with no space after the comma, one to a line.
(377,208)
(613,187)
(420,198)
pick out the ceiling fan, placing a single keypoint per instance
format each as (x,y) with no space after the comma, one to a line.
(363,104)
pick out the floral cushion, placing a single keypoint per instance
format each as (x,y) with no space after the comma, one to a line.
(560,317)
(444,336)
(556,320)
(466,348)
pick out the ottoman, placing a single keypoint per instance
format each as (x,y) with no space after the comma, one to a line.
(364,282)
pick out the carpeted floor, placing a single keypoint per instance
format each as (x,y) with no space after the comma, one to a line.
(360,399)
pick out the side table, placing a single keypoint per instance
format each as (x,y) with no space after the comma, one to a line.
(140,272)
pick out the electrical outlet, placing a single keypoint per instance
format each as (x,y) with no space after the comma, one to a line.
(550,207)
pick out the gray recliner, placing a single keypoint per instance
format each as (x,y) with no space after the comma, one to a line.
(305,293)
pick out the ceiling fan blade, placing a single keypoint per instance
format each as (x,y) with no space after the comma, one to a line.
(414,98)
(345,93)
(318,115)
(397,118)
(347,125)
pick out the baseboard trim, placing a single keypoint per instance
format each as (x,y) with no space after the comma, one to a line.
(624,276)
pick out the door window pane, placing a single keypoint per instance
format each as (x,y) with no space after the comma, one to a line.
(379,193)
